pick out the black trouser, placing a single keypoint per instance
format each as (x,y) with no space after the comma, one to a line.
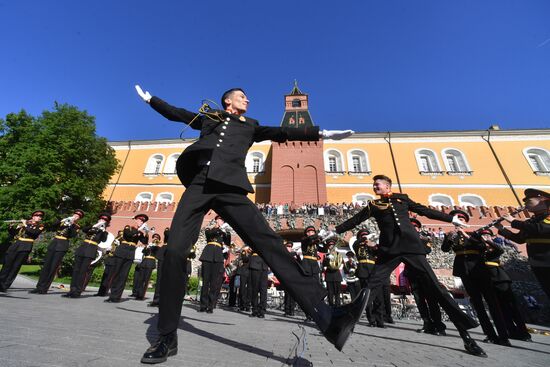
(120,276)
(210,272)
(156,296)
(290,304)
(258,291)
(245,218)
(12,264)
(80,270)
(386,300)
(354,288)
(143,281)
(515,323)
(106,280)
(244,297)
(137,278)
(384,267)
(232,301)
(426,303)
(480,287)
(51,265)
(374,311)
(543,276)
(333,289)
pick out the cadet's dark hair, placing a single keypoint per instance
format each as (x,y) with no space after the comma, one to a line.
(229,93)
(382,177)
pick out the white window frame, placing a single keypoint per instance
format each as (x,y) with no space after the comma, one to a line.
(462,203)
(159,200)
(355,197)
(431,201)
(435,171)
(146,193)
(546,165)
(151,164)
(170,166)
(340,164)
(249,162)
(363,161)
(466,169)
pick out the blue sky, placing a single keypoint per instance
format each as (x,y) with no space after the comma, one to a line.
(366,65)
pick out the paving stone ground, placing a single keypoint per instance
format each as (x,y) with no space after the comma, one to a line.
(49,330)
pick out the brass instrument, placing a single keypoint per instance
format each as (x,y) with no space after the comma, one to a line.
(12,221)
(335,260)
(67,221)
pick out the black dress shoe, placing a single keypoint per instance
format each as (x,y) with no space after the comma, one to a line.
(209,310)
(504,342)
(112,300)
(261,316)
(3,289)
(153,304)
(389,320)
(425,330)
(471,347)
(67,295)
(344,318)
(74,295)
(166,346)
(140,298)
(253,314)
(201,309)
(100,295)
(381,325)
(440,332)
(35,290)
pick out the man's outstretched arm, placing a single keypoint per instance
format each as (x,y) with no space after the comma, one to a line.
(170,112)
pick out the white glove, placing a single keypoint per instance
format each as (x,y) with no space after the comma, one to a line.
(146,96)
(458,222)
(336,134)
(225,227)
(330,256)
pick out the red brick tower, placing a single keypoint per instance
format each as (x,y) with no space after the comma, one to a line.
(297,168)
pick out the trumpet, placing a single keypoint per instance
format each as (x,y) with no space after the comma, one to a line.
(67,221)
(100,225)
(11,221)
(144,228)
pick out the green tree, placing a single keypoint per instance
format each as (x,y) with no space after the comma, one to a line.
(54,162)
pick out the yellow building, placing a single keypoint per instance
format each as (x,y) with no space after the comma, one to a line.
(479,167)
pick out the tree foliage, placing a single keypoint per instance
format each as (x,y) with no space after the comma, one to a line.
(54,162)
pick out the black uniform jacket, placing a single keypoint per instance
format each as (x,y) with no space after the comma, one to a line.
(494,268)
(63,230)
(25,241)
(215,239)
(397,234)
(158,252)
(257,263)
(243,266)
(148,261)
(130,238)
(225,144)
(94,235)
(469,254)
(366,259)
(536,233)
(310,245)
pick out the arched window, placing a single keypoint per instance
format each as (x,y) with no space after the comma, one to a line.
(471,200)
(154,164)
(255,162)
(441,200)
(455,162)
(539,160)
(358,161)
(333,161)
(361,198)
(144,196)
(165,197)
(427,162)
(170,166)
